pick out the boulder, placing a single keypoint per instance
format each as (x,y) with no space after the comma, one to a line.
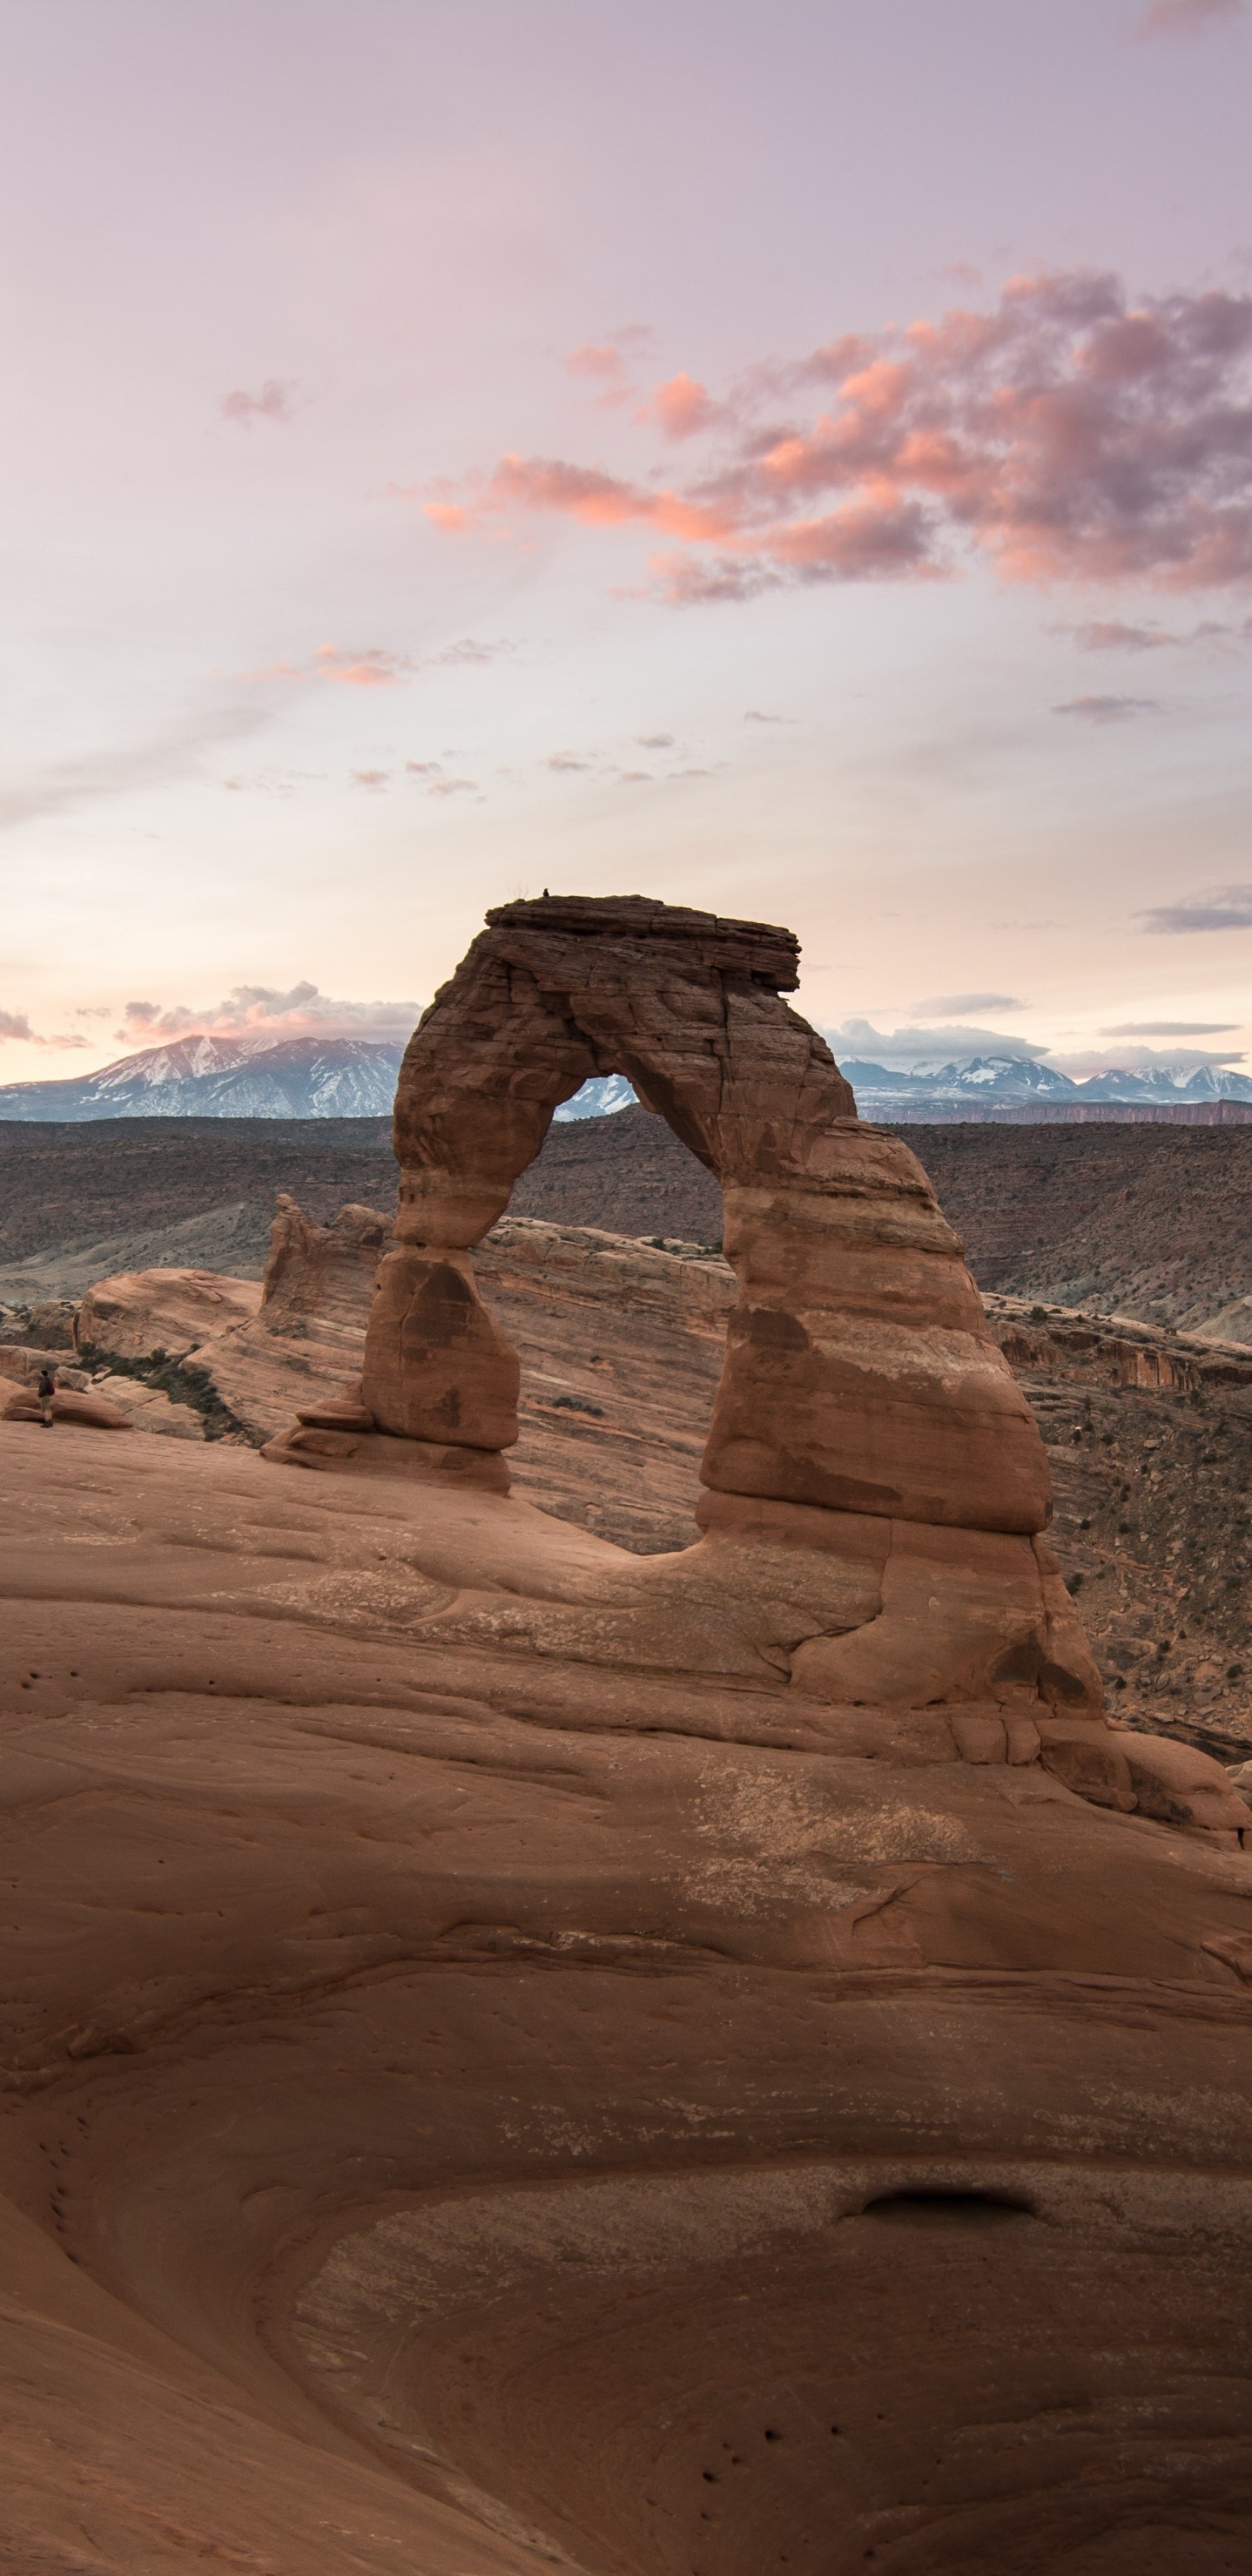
(91,1412)
(1182,1786)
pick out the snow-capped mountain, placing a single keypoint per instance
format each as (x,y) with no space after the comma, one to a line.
(602,1097)
(207,1077)
(263,1077)
(981,1082)
(977,1077)
(1208,1082)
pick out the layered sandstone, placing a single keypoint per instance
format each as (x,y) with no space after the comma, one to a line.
(160,1314)
(482,2110)
(861,1390)
(522,2053)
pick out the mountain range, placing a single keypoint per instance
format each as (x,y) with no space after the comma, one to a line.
(207,1077)
(345,1077)
(974,1084)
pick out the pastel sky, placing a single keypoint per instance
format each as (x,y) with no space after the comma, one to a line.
(792,457)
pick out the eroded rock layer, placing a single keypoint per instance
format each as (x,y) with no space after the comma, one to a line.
(860,1381)
(474,2109)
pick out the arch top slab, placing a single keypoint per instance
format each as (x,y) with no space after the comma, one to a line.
(687,1005)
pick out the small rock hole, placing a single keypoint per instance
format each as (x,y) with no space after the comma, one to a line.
(946,2208)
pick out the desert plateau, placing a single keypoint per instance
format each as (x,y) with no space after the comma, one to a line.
(646,1996)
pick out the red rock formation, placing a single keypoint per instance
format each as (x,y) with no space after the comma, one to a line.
(483,2112)
(861,1380)
(140,1313)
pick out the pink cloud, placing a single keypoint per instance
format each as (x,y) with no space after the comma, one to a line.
(683,407)
(1189,17)
(372,669)
(549,485)
(606,363)
(16,1026)
(260,1010)
(1066,435)
(273,402)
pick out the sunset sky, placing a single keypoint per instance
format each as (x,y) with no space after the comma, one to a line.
(792,457)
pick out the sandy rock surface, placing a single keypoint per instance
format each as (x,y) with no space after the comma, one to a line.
(160,1313)
(526,2051)
(475,2111)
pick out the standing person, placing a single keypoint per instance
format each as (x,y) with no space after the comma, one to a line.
(47,1389)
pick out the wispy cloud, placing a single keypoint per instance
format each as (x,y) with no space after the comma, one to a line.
(275,401)
(1226,907)
(383,666)
(87,776)
(905,1048)
(608,363)
(1189,17)
(262,1010)
(372,668)
(1106,710)
(1171,1029)
(956,1006)
(1115,635)
(1067,434)
(16,1026)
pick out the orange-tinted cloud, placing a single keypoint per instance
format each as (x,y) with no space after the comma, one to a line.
(371,669)
(683,407)
(1067,435)
(262,1011)
(1190,17)
(607,363)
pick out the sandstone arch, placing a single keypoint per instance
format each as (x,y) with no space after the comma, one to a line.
(874,1484)
(860,1374)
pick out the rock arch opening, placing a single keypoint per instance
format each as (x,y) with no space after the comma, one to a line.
(873,1485)
(860,1376)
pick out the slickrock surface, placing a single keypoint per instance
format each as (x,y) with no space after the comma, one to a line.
(160,1314)
(522,2051)
(621,1346)
(464,2113)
